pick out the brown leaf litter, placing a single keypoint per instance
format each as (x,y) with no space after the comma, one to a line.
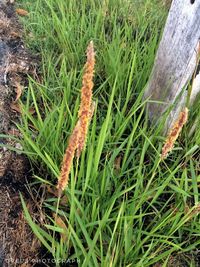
(21,12)
(18,246)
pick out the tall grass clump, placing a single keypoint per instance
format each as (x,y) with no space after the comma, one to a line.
(123,206)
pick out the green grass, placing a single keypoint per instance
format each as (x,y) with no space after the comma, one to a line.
(145,212)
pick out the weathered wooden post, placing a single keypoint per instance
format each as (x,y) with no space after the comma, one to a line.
(176,60)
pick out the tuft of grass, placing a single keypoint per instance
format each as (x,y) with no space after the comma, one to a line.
(144,211)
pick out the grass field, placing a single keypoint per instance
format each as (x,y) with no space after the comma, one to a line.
(123,207)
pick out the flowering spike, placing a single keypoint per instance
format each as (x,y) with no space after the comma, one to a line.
(86,97)
(68,158)
(174,133)
(78,136)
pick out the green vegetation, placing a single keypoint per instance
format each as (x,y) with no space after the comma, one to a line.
(124,207)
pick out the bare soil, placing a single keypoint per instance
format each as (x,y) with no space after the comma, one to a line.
(17,244)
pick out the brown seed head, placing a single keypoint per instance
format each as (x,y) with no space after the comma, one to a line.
(68,158)
(86,97)
(174,133)
(78,136)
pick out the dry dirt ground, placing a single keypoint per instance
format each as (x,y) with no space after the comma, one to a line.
(18,247)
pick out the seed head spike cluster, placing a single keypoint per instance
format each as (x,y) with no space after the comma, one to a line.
(68,158)
(86,97)
(78,137)
(174,133)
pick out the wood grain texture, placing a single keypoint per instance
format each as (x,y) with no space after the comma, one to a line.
(176,58)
